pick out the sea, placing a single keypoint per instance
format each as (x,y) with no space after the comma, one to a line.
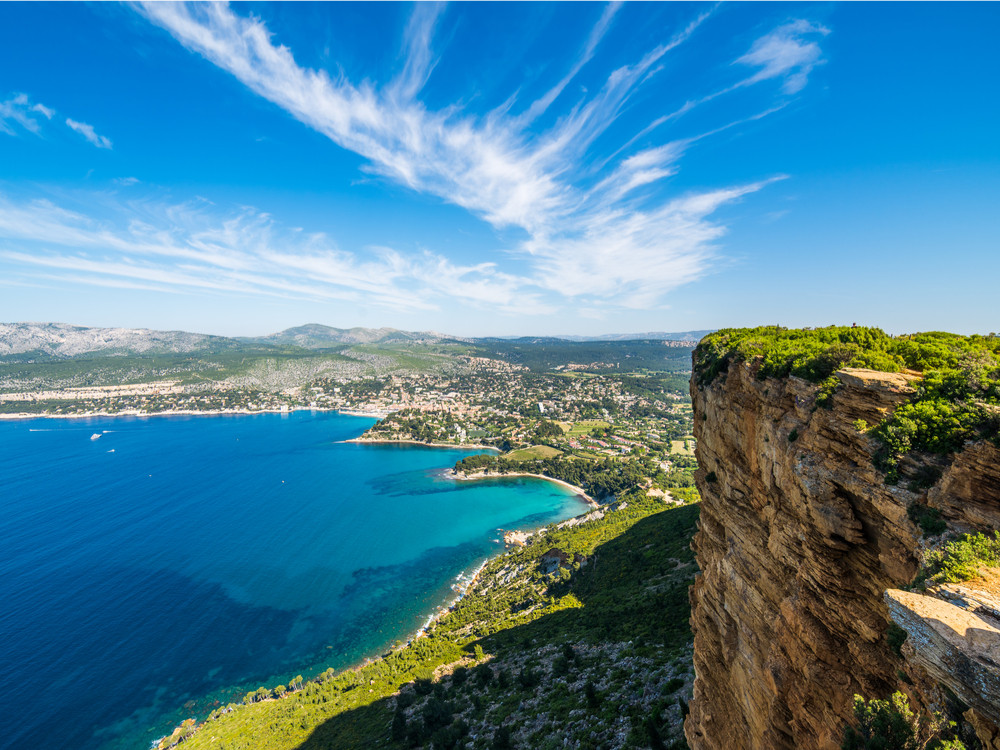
(152,568)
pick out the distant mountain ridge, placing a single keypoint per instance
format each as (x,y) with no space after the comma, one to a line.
(63,340)
(694,336)
(317,336)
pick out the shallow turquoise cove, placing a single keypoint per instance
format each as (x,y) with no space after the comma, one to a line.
(184,560)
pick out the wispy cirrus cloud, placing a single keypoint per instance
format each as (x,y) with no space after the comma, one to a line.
(590,47)
(194,247)
(600,230)
(87,131)
(789,52)
(418,58)
(495,165)
(19,110)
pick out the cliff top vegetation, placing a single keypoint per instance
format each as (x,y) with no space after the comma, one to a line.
(956,400)
(816,353)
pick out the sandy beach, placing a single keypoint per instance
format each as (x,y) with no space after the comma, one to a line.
(460,446)
(482,475)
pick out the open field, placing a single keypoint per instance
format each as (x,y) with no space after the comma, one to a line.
(535,451)
(584,428)
(677,447)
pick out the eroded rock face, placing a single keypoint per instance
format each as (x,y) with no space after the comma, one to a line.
(799,539)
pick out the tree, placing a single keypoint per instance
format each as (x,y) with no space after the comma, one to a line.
(399,726)
(590,693)
(501,738)
(891,725)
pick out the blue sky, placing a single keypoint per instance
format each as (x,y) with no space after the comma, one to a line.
(494,169)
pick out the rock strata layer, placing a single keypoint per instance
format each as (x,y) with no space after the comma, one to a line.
(799,540)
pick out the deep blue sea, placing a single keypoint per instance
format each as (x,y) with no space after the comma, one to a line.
(177,561)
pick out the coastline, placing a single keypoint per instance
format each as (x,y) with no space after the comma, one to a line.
(430,617)
(459,446)
(483,475)
(460,591)
(461,585)
(464,585)
(170,412)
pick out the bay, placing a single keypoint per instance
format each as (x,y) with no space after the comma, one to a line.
(152,568)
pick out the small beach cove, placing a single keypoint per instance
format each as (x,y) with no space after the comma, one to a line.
(482,475)
(184,561)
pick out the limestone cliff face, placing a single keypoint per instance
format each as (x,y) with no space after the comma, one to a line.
(799,541)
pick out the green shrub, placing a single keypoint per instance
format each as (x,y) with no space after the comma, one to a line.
(928,519)
(891,725)
(961,559)
(896,637)
(827,388)
(951,406)
(484,674)
(501,738)
(590,694)
(673,685)
(398,731)
(560,666)
(528,678)
(924,478)
(815,354)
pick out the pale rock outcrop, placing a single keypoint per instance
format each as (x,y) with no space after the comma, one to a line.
(957,647)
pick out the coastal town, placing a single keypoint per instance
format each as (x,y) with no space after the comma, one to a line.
(569,421)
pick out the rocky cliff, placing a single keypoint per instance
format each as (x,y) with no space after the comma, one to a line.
(803,550)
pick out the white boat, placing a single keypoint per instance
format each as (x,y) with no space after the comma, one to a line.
(95,436)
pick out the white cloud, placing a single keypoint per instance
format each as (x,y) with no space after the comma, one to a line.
(18,110)
(782,52)
(47,111)
(492,166)
(604,236)
(786,53)
(418,60)
(195,247)
(87,131)
(596,35)
(618,239)
(635,258)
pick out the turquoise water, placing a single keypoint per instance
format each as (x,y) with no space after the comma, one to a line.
(186,560)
